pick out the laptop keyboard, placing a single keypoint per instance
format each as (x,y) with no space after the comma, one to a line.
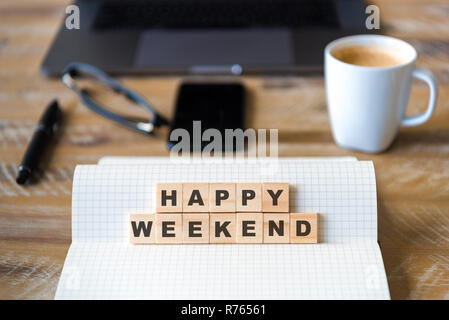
(201,14)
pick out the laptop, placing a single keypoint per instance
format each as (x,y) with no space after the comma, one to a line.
(204,36)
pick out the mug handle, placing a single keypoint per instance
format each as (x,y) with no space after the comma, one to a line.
(429,78)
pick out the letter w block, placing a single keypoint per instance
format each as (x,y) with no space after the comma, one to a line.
(142,228)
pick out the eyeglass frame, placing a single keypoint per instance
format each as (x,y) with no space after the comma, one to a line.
(79,69)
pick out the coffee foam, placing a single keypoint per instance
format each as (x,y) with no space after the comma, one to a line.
(369,55)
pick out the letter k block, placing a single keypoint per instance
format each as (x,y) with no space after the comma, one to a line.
(222,228)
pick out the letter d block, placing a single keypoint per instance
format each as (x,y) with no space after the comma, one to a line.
(275,197)
(168,228)
(195,228)
(222,228)
(169,197)
(142,228)
(303,228)
(249,227)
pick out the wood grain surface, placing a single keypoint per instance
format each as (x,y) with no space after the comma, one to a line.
(412,176)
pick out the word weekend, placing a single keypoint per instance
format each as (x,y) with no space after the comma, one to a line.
(223,213)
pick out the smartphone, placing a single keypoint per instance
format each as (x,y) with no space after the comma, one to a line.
(217,105)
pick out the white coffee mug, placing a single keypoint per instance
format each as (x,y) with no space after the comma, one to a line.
(367,104)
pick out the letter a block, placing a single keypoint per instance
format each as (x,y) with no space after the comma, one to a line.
(169,197)
(249,227)
(276,228)
(168,228)
(142,228)
(222,228)
(275,197)
(195,197)
(249,197)
(195,228)
(222,197)
(303,228)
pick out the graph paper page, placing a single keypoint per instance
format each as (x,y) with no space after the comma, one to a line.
(345,264)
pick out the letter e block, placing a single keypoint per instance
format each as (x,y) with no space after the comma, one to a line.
(276,228)
(142,228)
(303,228)
(169,228)
(222,197)
(169,197)
(249,197)
(222,228)
(195,197)
(249,227)
(275,197)
(195,228)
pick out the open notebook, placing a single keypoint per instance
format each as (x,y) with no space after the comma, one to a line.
(345,264)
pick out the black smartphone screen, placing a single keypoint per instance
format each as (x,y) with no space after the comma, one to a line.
(216,105)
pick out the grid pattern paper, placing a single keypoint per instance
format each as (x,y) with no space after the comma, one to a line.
(322,271)
(345,264)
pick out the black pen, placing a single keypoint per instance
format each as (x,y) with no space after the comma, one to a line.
(42,138)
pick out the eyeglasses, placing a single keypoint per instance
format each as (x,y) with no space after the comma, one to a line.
(76,70)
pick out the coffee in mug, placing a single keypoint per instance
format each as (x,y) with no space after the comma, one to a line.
(368,81)
(368,56)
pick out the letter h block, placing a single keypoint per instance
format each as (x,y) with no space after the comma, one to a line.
(169,197)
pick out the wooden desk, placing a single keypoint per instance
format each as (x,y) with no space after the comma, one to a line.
(413,176)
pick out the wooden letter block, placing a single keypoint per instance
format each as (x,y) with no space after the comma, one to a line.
(303,228)
(195,228)
(249,227)
(222,197)
(275,197)
(169,228)
(249,197)
(142,228)
(276,228)
(222,228)
(195,197)
(169,197)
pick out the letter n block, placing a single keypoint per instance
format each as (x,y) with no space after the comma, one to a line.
(195,228)
(169,228)
(222,228)
(275,197)
(276,228)
(142,228)
(249,197)
(169,197)
(222,197)
(303,228)
(249,227)
(195,197)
